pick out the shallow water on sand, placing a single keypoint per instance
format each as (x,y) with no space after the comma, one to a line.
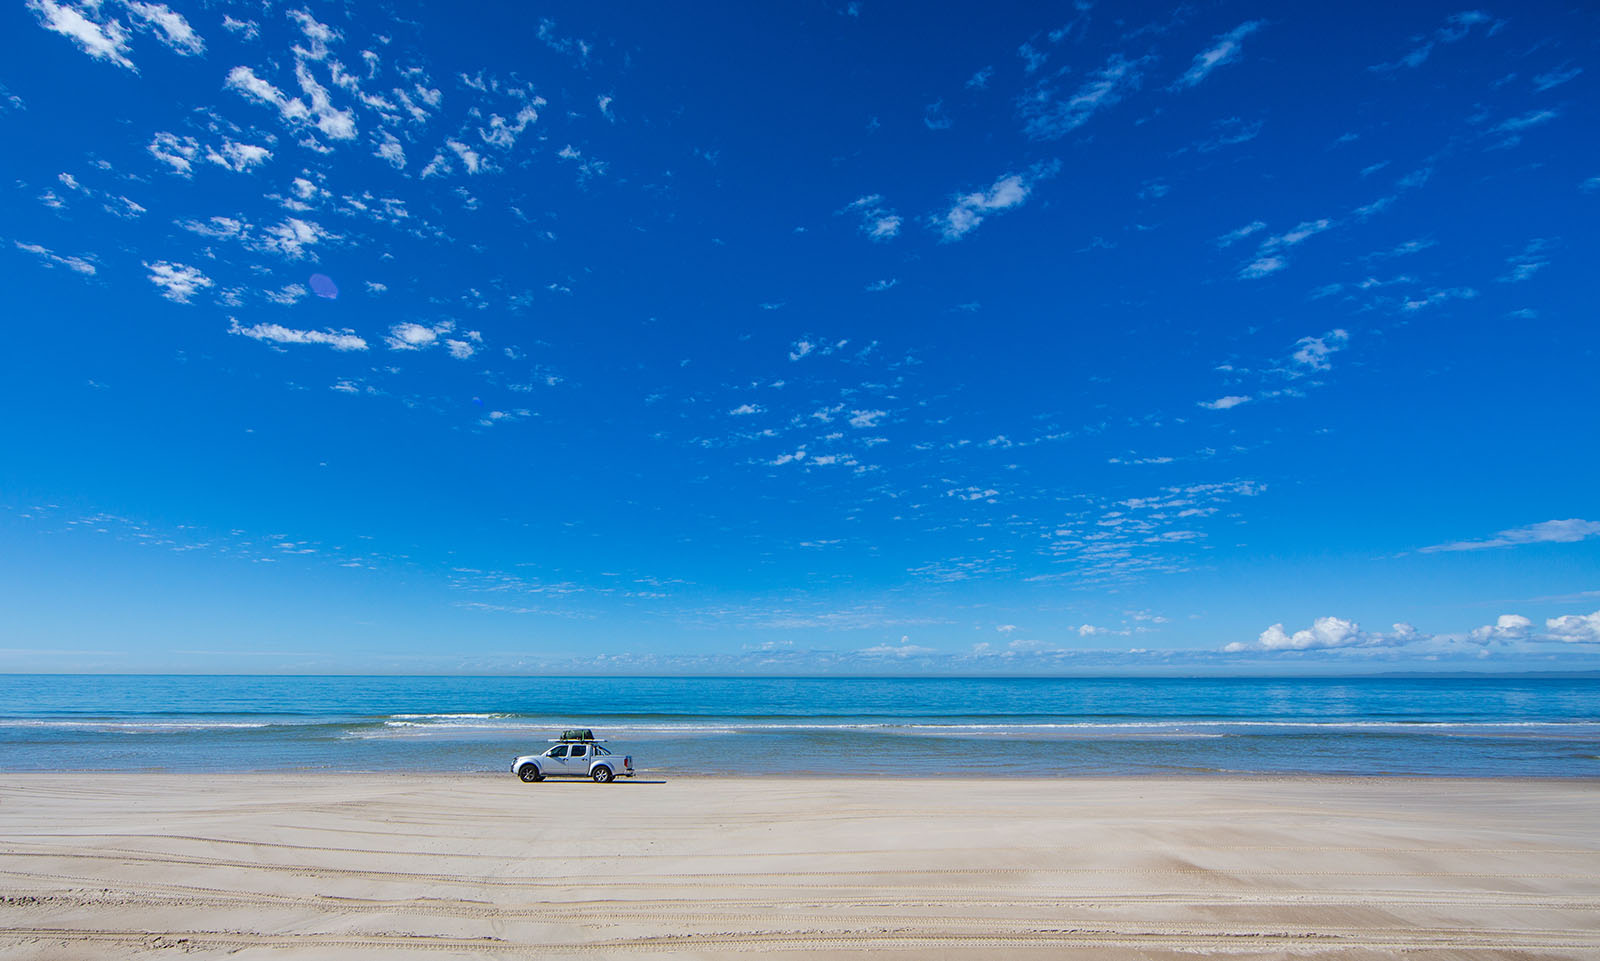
(1481,726)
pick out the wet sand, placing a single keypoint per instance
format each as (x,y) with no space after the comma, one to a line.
(374,866)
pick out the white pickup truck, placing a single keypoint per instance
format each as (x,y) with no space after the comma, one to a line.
(573,757)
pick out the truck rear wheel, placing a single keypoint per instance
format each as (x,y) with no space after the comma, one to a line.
(529,773)
(601,774)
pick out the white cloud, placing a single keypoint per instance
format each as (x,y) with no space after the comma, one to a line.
(1228,132)
(278,334)
(866,418)
(53,259)
(1312,353)
(463,349)
(169,25)
(878,286)
(106,40)
(1533,118)
(216,227)
(437,167)
(969,210)
(746,409)
(246,29)
(178,282)
(181,154)
(1554,78)
(1507,627)
(1575,628)
(903,649)
(1234,236)
(470,158)
(1325,632)
(335,123)
(247,84)
(1434,297)
(411,336)
(1049,116)
(291,238)
(1568,531)
(1298,235)
(391,151)
(1456,26)
(502,133)
(1225,50)
(980,80)
(1261,267)
(289,295)
(175,151)
(504,416)
(973,493)
(239,157)
(1269,258)
(1526,264)
(1224,403)
(877,221)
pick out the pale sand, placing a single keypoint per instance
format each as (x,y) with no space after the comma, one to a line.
(369,866)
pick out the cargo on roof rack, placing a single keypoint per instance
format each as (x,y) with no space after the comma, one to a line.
(577,734)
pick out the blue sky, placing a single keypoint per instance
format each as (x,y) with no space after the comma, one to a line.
(814,337)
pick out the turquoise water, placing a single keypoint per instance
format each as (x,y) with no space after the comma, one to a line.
(1488,726)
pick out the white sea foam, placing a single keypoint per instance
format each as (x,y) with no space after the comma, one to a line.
(423,725)
(130,727)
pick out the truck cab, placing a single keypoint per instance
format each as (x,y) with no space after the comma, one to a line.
(575,754)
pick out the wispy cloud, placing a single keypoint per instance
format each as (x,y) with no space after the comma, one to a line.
(1312,353)
(878,221)
(279,334)
(1436,296)
(1568,531)
(1523,266)
(1515,125)
(168,25)
(1269,258)
(1554,78)
(1456,27)
(178,282)
(53,259)
(1234,236)
(969,210)
(1049,114)
(181,153)
(1224,50)
(105,39)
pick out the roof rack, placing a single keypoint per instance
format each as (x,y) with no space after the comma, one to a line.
(576,734)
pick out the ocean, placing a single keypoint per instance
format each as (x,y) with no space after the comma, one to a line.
(927,727)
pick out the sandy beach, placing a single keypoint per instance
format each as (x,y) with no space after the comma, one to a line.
(369,866)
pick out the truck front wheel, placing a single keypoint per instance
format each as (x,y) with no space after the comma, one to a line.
(601,774)
(529,773)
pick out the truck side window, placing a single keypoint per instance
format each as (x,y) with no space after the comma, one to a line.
(557,751)
(578,750)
